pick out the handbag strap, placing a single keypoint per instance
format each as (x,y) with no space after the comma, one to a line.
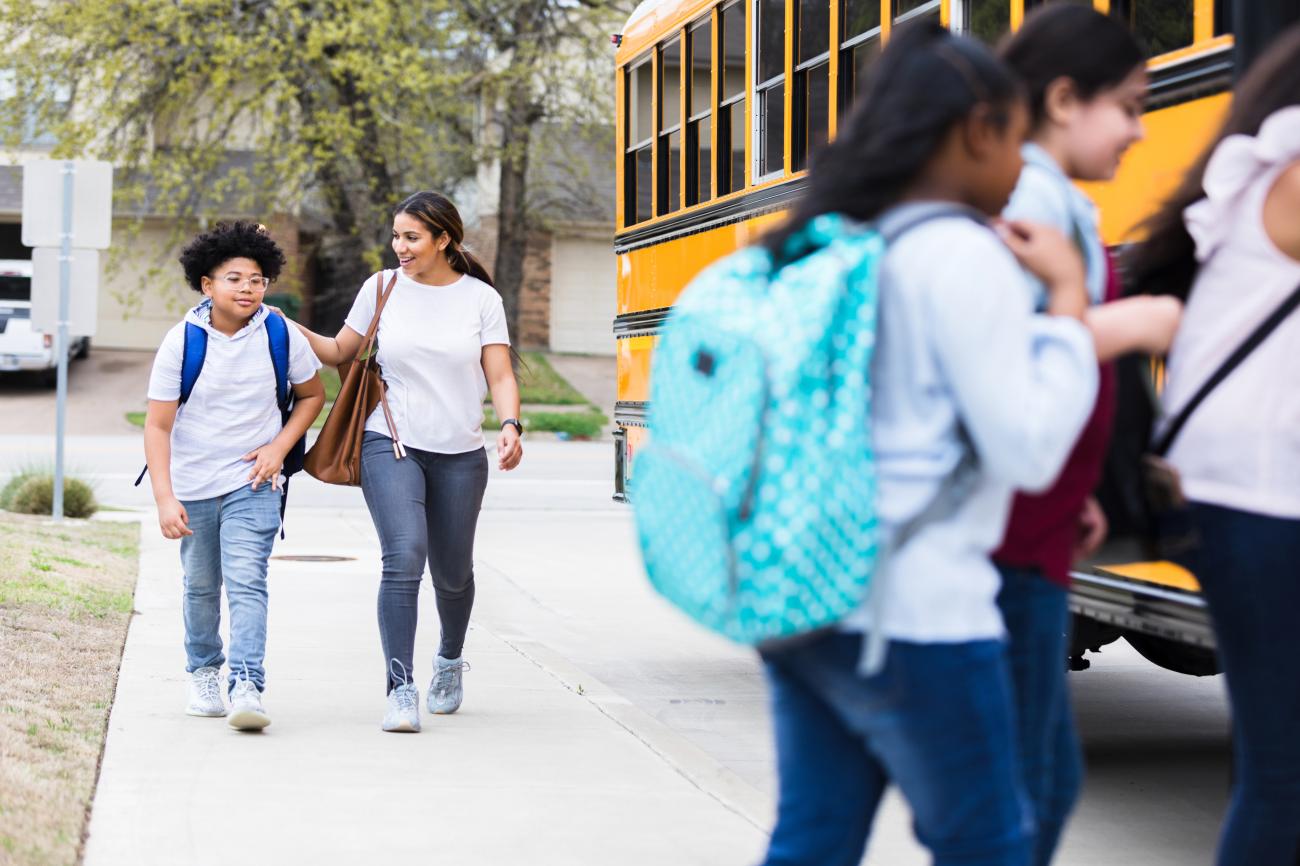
(382,294)
(1268,326)
(381,297)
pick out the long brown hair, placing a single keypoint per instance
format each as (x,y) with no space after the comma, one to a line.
(439,215)
(1165,263)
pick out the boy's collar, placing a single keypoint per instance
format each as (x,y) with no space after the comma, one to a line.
(202,315)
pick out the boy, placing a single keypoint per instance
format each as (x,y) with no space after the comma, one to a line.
(215,457)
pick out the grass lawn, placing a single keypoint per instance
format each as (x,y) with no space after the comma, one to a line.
(65,600)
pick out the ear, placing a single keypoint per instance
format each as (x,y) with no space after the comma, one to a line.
(980,136)
(1060,100)
(444,240)
(206,285)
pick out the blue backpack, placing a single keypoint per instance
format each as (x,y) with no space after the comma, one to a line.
(194,352)
(755,494)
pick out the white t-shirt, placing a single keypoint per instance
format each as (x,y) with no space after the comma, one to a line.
(1241,447)
(431,341)
(232,409)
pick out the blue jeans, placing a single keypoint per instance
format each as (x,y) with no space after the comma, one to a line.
(1037,616)
(232,540)
(937,722)
(1249,569)
(425,508)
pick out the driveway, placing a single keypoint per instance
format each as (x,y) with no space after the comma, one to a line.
(102,388)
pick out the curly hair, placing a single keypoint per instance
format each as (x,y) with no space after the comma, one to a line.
(226,241)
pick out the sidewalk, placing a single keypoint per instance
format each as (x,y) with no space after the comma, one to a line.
(543,764)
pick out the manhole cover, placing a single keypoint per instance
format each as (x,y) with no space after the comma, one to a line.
(310,557)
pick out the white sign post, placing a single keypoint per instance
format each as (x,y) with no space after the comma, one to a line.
(66,205)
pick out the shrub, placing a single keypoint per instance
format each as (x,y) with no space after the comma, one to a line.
(35,495)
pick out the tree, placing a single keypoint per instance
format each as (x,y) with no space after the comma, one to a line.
(221,107)
(540,60)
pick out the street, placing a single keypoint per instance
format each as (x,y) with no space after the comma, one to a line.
(559,582)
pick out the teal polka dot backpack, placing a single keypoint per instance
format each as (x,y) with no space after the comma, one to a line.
(755,494)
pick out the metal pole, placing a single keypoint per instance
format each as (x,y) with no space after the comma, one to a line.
(61,340)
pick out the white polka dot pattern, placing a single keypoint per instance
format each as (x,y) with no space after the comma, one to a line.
(755,495)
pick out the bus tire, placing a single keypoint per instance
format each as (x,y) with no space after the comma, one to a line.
(1174,656)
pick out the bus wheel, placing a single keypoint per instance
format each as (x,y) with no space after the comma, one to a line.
(1173,656)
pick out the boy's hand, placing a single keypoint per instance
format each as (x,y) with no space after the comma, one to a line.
(266,461)
(173,519)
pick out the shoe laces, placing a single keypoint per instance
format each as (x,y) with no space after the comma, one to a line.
(208,686)
(447,676)
(246,682)
(404,694)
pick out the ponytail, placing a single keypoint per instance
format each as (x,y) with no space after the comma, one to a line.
(926,81)
(465,262)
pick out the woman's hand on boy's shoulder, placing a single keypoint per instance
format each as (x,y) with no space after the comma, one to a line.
(173,519)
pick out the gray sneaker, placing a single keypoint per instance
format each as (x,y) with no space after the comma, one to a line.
(246,711)
(403,716)
(205,694)
(445,690)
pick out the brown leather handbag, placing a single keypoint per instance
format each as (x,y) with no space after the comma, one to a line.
(335,458)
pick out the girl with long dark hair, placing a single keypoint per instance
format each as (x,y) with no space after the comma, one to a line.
(1229,242)
(443,346)
(973,395)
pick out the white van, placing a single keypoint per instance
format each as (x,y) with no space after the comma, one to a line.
(21,346)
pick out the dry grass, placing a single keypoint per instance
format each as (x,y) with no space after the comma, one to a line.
(65,601)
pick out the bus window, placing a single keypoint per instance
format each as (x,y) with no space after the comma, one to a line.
(1223,12)
(988,20)
(639,137)
(670,126)
(1162,25)
(699,108)
(906,10)
(770,86)
(812,79)
(859,47)
(731,100)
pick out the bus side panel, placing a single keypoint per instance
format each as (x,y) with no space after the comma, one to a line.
(652,277)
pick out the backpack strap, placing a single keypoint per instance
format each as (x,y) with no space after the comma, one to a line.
(193,350)
(277,341)
(192,355)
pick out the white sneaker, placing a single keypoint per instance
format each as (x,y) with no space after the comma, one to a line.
(403,716)
(246,711)
(205,694)
(446,690)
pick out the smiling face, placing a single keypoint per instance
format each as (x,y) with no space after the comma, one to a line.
(1099,131)
(236,287)
(418,250)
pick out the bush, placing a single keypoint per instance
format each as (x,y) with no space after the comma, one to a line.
(35,495)
(18,479)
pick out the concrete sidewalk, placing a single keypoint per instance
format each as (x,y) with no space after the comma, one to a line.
(543,764)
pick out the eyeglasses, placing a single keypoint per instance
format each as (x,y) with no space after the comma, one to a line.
(256,282)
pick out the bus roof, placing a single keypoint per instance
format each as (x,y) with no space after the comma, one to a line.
(651,20)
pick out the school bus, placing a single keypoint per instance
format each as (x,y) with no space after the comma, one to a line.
(719,103)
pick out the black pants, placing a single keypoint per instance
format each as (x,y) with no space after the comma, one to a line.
(425,508)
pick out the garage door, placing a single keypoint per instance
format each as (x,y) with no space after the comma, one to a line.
(582,296)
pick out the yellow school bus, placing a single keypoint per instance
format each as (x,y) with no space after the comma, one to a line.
(719,105)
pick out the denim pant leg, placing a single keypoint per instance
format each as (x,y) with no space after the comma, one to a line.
(1037,617)
(939,721)
(829,786)
(250,520)
(1248,570)
(395,493)
(201,562)
(456,483)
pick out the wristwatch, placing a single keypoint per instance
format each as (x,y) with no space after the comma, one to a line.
(515,423)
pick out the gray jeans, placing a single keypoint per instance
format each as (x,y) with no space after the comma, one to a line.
(425,508)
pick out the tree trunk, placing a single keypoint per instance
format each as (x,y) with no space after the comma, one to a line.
(521,113)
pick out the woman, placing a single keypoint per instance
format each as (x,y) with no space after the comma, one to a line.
(443,346)
(1229,241)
